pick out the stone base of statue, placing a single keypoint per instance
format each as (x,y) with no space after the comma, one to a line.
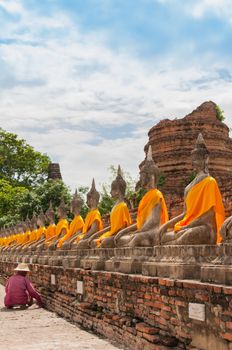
(206,263)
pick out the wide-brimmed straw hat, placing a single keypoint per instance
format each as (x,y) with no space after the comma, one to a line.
(22,267)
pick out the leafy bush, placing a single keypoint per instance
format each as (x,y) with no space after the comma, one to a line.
(220,113)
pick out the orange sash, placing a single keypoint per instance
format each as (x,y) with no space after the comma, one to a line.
(146,205)
(203,196)
(50,231)
(41,231)
(119,219)
(62,224)
(76,225)
(91,217)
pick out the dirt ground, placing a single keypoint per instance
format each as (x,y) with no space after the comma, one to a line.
(38,329)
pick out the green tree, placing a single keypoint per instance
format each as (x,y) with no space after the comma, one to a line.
(106,202)
(82,191)
(10,198)
(53,191)
(220,113)
(16,203)
(20,164)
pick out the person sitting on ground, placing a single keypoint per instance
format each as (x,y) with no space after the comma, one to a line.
(19,290)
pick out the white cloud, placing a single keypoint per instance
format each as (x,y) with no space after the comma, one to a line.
(220,8)
(12,6)
(199,8)
(59,92)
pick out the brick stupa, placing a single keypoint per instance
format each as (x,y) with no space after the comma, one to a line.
(172,142)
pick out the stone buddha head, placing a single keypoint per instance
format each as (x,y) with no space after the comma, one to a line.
(50,214)
(93,197)
(76,204)
(118,186)
(149,172)
(20,227)
(62,209)
(41,218)
(33,222)
(200,155)
(15,229)
(27,224)
(7,231)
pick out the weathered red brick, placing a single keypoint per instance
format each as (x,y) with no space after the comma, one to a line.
(162,282)
(147,296)
(229,325)
(227,290)
(202,297)
(227,336)
(151,338)
(217,289)
(144,328)
(181,303)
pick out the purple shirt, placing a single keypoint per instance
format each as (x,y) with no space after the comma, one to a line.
(19,290)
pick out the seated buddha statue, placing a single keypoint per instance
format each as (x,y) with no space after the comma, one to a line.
(24,237)
(203,214)
(119,216)
(93,221)
(7,238)
(62,226)
(76,225)
(152,210)
(19,230)
(39,233)
(226,230)
(50,231)
(33,233)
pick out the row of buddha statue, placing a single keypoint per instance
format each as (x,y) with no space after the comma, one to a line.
(202,221)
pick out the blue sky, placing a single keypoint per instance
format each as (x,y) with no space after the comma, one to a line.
(84,81)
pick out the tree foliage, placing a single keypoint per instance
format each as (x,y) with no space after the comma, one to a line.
(16,203)
(10,198)
(106,202)
(220,113)
(20,164)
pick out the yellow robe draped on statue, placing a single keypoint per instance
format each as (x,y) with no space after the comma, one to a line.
(119,219)
(41,231)
(17,238)
(203,196)
(61,225)
(91,217)
(32,236)
(76,225)
(25,237)
(50,231)
(6,241)
(146,205)
(20,238)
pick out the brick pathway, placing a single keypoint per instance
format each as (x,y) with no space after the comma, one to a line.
(38,329)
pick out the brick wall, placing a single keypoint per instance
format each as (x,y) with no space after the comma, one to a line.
(142,313)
